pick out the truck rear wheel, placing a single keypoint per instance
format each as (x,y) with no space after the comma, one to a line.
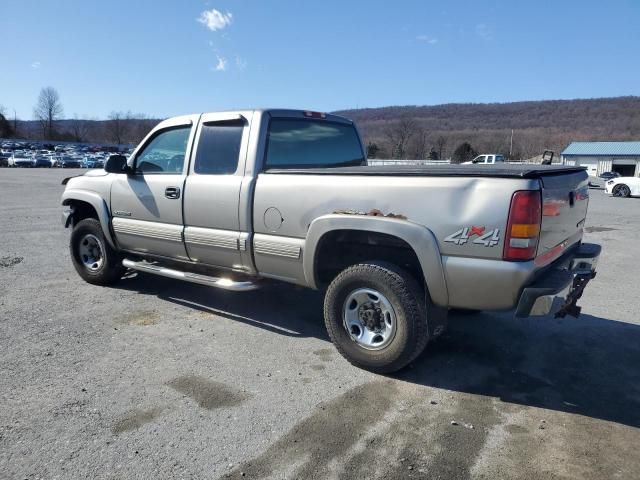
(93,258)
(376,317)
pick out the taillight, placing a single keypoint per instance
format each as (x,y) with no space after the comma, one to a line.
(523,226)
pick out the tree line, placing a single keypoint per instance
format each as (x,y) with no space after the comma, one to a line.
(518,130)
(48,124)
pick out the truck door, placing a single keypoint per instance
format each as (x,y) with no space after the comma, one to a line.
(146,204)
(212,191)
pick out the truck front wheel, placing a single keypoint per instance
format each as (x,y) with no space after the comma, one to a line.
(376,317)
(93,258)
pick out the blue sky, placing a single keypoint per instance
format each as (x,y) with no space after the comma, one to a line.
(165,58)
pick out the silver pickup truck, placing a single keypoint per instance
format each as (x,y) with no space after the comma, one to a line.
(234,199)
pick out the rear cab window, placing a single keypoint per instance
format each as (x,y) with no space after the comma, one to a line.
(219,148)
(310,143)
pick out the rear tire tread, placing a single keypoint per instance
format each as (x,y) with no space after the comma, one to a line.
(411,298)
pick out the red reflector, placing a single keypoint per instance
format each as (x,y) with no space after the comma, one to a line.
(310,114)
(551,209)
(526,209)
(551,254)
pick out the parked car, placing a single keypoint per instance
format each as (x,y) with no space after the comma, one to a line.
(87,162)
(21,161)
(42,162)
(623,187)
(69,162)
(232,199)
(609,175)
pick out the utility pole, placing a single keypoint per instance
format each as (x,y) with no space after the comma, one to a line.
(511,145)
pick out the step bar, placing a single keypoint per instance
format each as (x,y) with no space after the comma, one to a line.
(216,282)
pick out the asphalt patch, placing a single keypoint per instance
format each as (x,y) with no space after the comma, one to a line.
(325,354)
(207,393)
(141,318)
(10,261)
(598,229)
(326,435)
(135,419)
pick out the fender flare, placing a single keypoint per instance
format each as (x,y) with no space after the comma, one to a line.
(418,237)
(98,203)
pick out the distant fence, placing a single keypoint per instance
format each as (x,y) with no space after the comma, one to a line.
(381,161)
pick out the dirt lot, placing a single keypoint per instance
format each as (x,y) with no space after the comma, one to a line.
(159,379)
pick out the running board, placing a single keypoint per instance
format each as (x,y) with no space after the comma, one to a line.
(223,283)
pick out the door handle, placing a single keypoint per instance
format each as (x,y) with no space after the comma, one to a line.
(172,192)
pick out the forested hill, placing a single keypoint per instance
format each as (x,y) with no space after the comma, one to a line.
(423,131)
(487,126)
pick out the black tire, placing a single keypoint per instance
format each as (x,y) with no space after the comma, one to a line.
(408,301)
(107,269)
(621,190)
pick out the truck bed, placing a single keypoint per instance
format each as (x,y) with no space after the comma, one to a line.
(507,171)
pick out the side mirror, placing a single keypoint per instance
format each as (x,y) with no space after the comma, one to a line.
(116,164)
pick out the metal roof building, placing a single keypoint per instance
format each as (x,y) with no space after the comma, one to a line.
(599,157)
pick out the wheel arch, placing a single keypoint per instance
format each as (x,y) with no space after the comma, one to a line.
(419,239)
(86,203)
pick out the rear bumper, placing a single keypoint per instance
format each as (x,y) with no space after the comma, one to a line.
(559,288)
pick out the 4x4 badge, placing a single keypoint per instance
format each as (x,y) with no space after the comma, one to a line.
(462,236)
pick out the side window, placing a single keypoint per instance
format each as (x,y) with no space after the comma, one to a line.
(219,148)
(165,152)
(300,143)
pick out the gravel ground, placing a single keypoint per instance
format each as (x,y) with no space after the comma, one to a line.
(159,379)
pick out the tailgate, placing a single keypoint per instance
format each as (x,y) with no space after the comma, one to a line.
(565,197)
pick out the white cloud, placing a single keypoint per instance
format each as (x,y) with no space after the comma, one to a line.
(484,32)
(35,65)
(427,39)
(222,64)
(214,19)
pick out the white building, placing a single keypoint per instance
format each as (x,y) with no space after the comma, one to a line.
(599,157)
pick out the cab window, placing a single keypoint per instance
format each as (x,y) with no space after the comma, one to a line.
(219,148)
(305,143)
(165,152)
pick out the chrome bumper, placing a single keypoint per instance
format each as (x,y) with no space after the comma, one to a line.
(557,290)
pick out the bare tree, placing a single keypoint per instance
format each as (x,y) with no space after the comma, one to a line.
(48,109)
(79,128)
(118,127)
(441,143)
(399,135)
(5,126)
(421,149)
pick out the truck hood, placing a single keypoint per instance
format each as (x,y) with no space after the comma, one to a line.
(90,173)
